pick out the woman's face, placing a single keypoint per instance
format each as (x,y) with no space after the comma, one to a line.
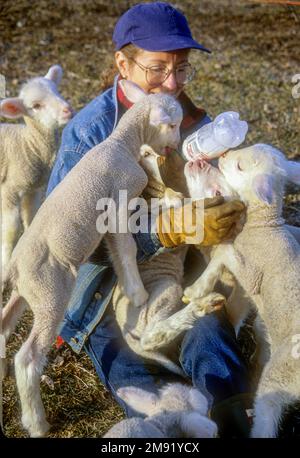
(131,70)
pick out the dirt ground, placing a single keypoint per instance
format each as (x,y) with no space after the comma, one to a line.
(255,55)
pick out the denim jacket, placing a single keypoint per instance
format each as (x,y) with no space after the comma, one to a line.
(95,283)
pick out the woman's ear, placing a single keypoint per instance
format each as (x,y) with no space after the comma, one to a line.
(122,64)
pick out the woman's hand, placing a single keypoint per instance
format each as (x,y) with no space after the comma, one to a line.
(219,222)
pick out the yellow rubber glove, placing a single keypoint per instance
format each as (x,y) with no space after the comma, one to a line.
(219,220)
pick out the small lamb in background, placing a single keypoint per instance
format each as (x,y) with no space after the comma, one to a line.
(27,151)
(265,260)
(176,411)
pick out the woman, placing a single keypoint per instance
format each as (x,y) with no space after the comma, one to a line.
(153,42)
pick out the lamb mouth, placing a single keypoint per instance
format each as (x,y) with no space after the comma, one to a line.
(220,167)
(167,150)
(64,121)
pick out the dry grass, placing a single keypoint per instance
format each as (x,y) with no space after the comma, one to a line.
(255,55)
(75,401)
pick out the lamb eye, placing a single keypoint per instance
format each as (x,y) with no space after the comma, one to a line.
(36,106)
(239,167)
(218,193)
(172,126)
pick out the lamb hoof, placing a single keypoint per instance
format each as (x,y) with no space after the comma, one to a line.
(190,295)
(209,304)
(138,298)
(146,344)
(34,428)
(150,342)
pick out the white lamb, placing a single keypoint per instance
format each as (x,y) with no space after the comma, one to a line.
(147,331)
(27,151)
(151,331)
(265,259)
(176,411)
(204,180)
(64,234)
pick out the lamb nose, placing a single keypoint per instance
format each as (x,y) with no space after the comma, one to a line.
(68,111)
(200,163)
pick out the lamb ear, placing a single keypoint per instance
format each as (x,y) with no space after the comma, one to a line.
(55,74)
(140,400)
(132,91)
(263,187)
(12,108)
(293,171)
(159,116)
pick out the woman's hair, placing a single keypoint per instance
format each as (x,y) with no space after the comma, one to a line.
(107,76)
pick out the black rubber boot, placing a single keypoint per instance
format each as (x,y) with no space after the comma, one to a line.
(234,416)
(289,426)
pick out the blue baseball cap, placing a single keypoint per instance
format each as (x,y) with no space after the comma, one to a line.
(155,26)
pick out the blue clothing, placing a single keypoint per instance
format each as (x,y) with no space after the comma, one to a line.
(209,356)
(209,352)
(93,124)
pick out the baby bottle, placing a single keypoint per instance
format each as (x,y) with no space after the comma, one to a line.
(213,139)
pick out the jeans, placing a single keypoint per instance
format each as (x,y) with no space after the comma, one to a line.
(209,355)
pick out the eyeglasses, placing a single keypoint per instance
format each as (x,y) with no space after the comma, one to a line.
(157,74)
